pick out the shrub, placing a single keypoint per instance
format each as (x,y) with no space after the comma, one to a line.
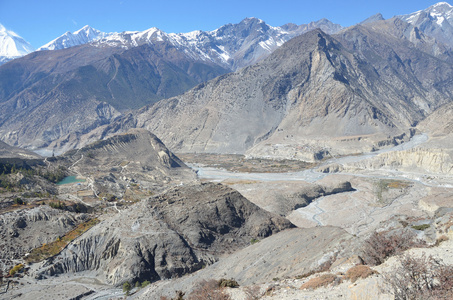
(254,241)
(440,240)
(359,271)
(420,278)
(16,269)
(179,296)
(58,205)
(421,227)
(231,283)
(382,245)
(145,283)
(19,201)
(208,289)
(323,280)
(127,287)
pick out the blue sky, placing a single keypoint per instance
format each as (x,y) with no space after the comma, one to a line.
(40,21)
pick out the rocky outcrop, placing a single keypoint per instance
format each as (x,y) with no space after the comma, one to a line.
(423,160)
(288,254)
(26,229)
(304,196)
(169,235)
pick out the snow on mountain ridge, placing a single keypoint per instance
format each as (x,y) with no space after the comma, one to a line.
(435,21)
(436,11)
(222,46)
(84,35)
(12,45)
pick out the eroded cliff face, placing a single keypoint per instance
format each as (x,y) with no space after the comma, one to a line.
(169,235)
(26,229)
(436,161)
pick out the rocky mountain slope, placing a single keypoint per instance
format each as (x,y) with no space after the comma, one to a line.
(167,236)
(7,151)
(365,88)
(21,231)
(90,85)
(85,87)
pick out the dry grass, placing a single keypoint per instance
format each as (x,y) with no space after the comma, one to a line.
(321,281)
(360,271)
(51,249)
(396,184)
(441,239)
(209,289)
(239,181)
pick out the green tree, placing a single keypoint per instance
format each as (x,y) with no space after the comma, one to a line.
(127,287)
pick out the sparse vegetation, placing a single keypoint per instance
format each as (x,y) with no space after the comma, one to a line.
(127,287)
(420,278)
(231,283)
(208,289)
(254,241)
(51,249)
(323,280)
(380,246)
(19,201)
(441,239)
(55,176)
(253,292)
(58,205)
(359,271)
(421,227)
(382,186)
(179,296)
(239,163)
(16,269)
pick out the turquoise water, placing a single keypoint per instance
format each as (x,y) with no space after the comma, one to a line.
(70,179)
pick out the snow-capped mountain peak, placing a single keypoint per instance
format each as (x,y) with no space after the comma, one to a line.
(232,45)
(435,21)
(84,35)
(12,45)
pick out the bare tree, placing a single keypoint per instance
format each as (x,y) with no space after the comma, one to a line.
(420,278)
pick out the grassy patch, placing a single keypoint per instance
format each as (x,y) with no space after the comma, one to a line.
(421,227)
(385,185)
(254,241)
(51,249)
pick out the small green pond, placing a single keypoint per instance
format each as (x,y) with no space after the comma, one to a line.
(70,179)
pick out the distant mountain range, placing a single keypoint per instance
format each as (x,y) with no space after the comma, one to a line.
(220,46)
(82,36)
(436,21)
